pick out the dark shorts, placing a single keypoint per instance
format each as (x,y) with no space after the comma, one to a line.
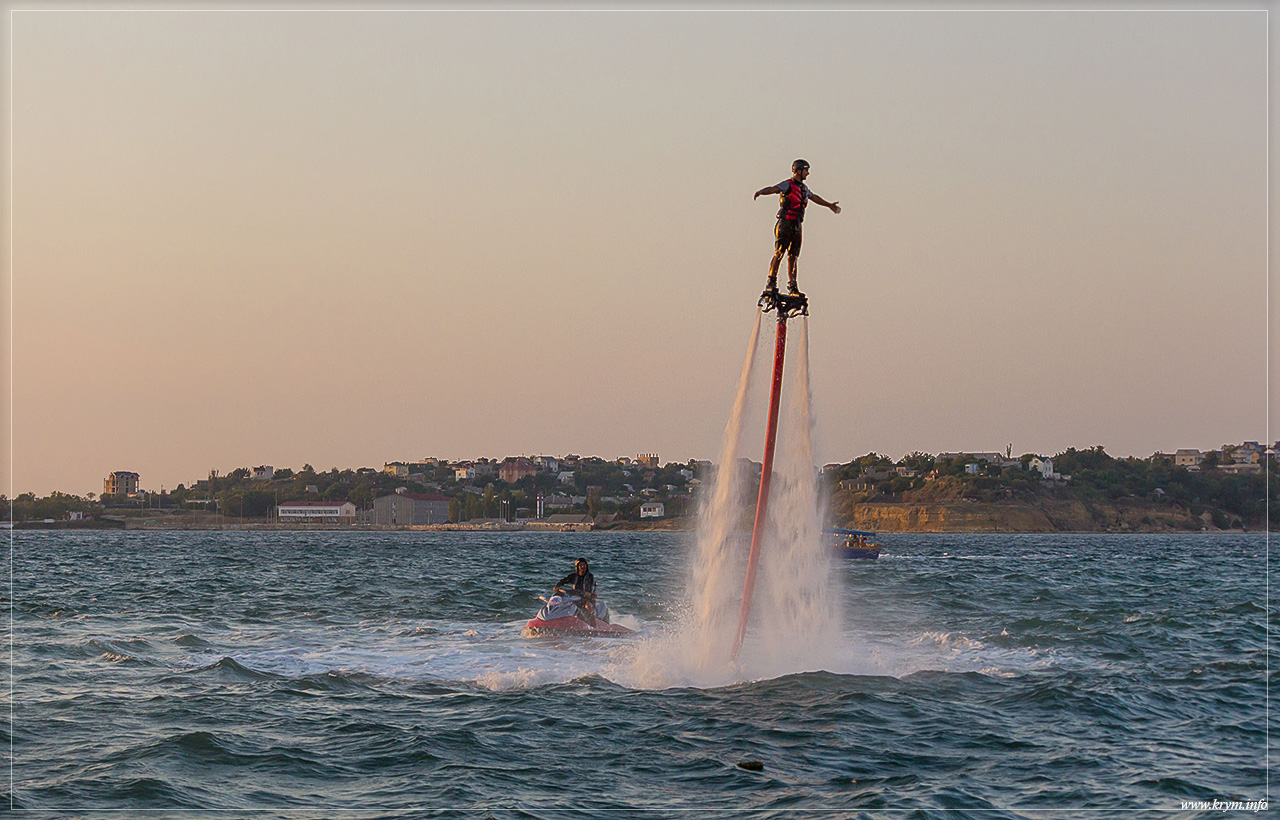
(787,237)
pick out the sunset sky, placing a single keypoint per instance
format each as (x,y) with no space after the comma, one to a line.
(251,237)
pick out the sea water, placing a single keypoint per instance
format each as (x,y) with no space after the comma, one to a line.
(355,674)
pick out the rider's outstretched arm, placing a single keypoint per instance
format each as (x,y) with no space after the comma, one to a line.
(772,189)
(834,206)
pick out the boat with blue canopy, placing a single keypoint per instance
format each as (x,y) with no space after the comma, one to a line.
(853,543)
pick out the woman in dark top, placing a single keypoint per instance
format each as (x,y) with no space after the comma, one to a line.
(583,584)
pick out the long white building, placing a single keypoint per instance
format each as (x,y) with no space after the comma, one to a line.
(317,512)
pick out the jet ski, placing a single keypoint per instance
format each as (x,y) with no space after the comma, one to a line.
(561,615)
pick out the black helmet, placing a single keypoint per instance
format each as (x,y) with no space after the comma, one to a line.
(798,164)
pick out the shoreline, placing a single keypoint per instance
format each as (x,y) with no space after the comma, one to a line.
(631,527)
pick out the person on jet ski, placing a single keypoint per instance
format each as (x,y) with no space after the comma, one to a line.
(582,583)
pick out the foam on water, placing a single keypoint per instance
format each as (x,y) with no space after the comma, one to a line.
(489,655)
(493,656)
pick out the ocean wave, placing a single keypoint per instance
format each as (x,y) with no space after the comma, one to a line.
(128,651)
(230,669)
(950,640)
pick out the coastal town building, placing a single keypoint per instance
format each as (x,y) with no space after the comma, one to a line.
(514,469)
(648,460)
(466,471)
(652,509)
(1044,466)
(263,473)
(1240,468)
(399,469)
(316,512)
(410,509)
(992,457)
(580,519)
(547,464)
(1188,458)
(1248,453)
(121,482)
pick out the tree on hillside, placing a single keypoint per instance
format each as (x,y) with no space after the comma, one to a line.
(361,495)
(1072,461)
(247,503)
(874,461)
(918,461)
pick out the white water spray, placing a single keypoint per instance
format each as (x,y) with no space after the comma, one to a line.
(795,624)
(797,613)
(715,592)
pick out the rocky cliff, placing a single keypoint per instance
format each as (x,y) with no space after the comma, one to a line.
(1013,516)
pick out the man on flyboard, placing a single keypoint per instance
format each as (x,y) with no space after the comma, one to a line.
(794,196)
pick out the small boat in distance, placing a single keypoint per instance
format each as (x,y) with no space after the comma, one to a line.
(853,543)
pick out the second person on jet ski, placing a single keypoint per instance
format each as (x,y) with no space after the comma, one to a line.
(583,584)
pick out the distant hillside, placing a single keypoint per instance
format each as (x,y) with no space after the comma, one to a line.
(950,504)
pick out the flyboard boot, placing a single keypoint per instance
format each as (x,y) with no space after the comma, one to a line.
(770,294)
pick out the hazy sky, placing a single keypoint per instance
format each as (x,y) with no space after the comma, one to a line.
(274,237)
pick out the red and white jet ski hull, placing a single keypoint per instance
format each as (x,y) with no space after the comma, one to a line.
(573,625)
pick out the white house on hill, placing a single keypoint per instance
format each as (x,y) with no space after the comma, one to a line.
(1044,466)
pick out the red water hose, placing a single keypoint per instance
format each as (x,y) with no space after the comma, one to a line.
(766,474)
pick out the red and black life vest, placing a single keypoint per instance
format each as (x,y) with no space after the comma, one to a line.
(793,201)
